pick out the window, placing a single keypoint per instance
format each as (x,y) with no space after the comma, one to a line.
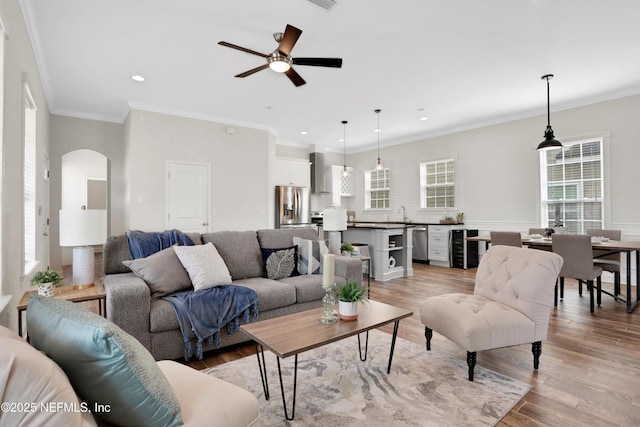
(29,181)
(376,185)
(438,184)
(572,186)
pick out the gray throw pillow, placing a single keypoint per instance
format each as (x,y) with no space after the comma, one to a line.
(107,367)
(310,256)
(162,272)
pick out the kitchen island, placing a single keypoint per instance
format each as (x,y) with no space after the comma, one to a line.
(390,244)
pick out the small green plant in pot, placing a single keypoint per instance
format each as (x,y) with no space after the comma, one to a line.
(347,248)
(46,281)
(350,295)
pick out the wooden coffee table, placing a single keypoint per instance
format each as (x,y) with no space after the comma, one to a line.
(296,333)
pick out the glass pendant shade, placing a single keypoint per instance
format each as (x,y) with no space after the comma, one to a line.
(379,165)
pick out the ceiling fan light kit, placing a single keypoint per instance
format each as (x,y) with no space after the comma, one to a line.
(550,141)
(280,60)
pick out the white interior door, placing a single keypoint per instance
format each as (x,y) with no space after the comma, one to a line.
(188,197)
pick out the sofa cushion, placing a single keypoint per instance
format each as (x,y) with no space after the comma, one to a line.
(283,237)
(104,364)
(239,250)
(310,255)
(162,316)
(309,286)
(271,293)
(162,272)
(280,262)
(204,264)
(29,377)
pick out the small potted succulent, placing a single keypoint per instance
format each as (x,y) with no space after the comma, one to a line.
(46,281)
(350,295)
(347,249)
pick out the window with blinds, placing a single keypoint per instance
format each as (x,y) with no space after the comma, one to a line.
(29,180)
(572,186)
(438,184)
(376,183)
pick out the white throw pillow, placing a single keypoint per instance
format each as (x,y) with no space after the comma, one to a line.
(204,264)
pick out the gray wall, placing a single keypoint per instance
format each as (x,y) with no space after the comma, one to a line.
(19,66)
(498,168)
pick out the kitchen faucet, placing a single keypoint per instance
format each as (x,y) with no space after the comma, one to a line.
(404,213)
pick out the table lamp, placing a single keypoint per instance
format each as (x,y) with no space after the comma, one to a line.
(81,228)
(334,221)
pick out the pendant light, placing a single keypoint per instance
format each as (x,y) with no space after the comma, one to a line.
(345,172)
(549,140)
(379,165)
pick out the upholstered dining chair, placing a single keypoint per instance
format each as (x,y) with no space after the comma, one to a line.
(605,259)
(506,238)
(510,305)
(539,231)
(577,254)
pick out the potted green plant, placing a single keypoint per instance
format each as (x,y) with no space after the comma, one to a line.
(346,248)
(46,281)
(350,295)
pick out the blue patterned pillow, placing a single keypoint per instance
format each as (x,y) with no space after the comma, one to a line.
(311,255)
(105,365)
(280,262)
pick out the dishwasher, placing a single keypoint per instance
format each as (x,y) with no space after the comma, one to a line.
(420,244)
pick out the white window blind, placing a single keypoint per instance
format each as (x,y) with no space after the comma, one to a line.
(377,186)
(438,184)
(29,180)
(572,186)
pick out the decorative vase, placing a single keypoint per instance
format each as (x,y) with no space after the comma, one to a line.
(46,289)
(348,310)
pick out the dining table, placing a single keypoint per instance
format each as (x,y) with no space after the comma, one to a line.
(626,247)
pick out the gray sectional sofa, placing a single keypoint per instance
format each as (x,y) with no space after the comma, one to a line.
(153,321)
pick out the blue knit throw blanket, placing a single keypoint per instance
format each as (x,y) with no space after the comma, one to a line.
(201,314)
(143,243)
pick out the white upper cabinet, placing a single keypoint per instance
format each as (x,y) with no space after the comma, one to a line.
(341,186)
(292,172)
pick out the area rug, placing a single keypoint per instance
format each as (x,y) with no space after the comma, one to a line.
(336,389)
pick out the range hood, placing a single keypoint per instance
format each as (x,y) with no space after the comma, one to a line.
(318,169)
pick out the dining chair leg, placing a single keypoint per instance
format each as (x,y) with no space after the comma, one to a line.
(590,287)
(580,287)
(555,294)
(562,288)
(616,283)
(599,289)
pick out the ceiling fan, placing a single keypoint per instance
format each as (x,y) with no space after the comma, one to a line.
(280,60)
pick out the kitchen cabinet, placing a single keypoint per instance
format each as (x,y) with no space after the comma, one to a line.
(391,248)
(340,185)
(439,248)
(292,172)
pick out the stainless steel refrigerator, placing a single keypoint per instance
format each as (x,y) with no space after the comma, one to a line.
(293,207)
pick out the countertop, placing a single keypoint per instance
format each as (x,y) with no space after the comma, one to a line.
(391,224)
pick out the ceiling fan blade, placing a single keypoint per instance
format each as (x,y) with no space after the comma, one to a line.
(253,70)
(319,62)
(289,39)
(244,49)
(295,77)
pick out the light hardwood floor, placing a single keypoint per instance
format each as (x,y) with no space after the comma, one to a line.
(589,371)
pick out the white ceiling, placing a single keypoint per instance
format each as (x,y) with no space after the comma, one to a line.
(467,63)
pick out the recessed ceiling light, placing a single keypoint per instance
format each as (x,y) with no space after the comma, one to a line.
(423,118)
(304,132)
(377,130)
(137,78)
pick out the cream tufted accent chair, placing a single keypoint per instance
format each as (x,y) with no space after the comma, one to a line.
(510,305)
